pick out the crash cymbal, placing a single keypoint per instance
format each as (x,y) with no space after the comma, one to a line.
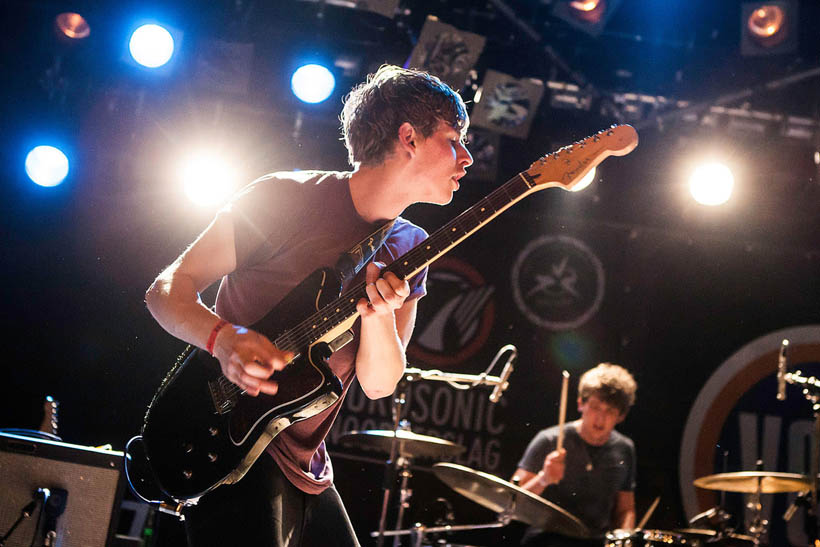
(410,445)
(747,482)
(499,495)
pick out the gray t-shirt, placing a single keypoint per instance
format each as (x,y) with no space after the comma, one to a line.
(592,474)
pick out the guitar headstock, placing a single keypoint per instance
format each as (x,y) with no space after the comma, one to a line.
(568,165)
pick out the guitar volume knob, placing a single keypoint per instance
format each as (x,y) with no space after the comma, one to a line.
(187,473)
(213,431)
(212,457)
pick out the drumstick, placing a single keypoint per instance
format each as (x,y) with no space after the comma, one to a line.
(648,514)
(562,410)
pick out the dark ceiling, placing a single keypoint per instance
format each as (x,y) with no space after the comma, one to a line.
(687,53)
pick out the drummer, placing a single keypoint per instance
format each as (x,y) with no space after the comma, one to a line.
(593,475)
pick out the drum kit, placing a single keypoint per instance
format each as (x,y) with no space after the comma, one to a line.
(511,502)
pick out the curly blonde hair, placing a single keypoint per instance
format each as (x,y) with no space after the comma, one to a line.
(375,109)
(611,383)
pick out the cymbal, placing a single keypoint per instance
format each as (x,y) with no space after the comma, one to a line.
(499,495)
(747,482)
(410,445)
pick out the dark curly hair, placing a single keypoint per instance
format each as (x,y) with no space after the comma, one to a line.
(374,110)
(612,384)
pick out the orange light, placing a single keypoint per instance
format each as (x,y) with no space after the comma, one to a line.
(767,25)
(584,5)
(590,11)
(73,25)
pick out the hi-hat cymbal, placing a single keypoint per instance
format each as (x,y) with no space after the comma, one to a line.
(748,482)
(410,445)
(499,495)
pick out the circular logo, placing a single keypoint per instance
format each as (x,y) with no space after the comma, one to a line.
(457,316)
(557,282)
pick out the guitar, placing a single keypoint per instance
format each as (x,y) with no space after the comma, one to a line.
(201,431)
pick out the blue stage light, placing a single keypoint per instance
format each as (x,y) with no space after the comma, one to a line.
(312,83)
(46,165)
(151,46)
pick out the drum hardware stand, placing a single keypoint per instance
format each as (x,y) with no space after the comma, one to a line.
(759,525)
(401,465)
(716,518)
(418,531)
(811,391)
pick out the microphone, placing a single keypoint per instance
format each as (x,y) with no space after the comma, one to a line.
(54,507)
(502,384)
(782,363)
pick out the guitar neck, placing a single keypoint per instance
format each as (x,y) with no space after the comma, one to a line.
(343,309)
(564,168)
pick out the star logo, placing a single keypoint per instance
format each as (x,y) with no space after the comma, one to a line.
(558,282)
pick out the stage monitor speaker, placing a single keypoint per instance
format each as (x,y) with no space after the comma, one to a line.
(88,481)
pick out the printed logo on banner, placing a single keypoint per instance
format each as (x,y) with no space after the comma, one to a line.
(457,316)
(736,413)
(465,417)
(557,282)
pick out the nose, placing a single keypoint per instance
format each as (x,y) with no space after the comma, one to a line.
(464,157)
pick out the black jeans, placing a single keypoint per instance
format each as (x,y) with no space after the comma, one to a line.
(265,509)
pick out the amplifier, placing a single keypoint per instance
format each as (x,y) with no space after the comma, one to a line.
(85,487)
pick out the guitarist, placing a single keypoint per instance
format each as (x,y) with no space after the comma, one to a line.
(404,131)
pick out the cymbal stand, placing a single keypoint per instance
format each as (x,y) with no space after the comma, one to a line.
(391,467)
(758,525)
(399,464)
(811,391)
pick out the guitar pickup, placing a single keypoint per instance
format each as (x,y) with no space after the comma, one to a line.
(223,403)
(341,341)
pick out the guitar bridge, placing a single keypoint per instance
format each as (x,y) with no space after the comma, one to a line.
(223,402)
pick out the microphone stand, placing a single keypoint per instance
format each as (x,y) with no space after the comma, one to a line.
(398,461)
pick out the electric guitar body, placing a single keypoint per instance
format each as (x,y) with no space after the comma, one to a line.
(200,431)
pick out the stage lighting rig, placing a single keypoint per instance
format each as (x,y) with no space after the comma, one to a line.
(590,16)
(72,26)
(768,28)
(312,83)
(151,45)
(46,165)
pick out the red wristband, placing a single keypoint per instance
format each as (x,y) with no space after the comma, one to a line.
(209,347)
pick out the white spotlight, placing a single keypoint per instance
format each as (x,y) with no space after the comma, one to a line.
(46,165)
(711,184)
(312,83)
(207,180)
(151,46)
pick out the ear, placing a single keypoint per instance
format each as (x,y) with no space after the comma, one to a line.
(408,137)
(580,404)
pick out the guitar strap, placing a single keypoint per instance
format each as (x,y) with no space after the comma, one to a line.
(351,262)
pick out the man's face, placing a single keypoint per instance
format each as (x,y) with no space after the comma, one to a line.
(598,419)
(441,160)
